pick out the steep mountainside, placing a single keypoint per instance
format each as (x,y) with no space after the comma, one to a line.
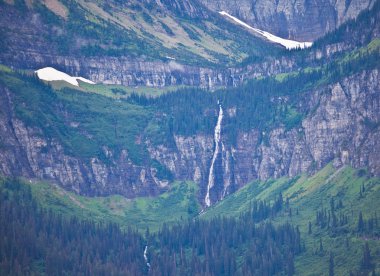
(149,43)
(303,20)
(136,146)
(161,138)
(316,106)
(131,44)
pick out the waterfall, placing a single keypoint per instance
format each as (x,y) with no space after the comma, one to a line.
(211,176)
(146,256)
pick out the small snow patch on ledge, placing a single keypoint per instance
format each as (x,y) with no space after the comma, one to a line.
(51,74)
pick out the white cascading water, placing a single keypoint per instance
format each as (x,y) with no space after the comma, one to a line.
(211,176)
(146,257)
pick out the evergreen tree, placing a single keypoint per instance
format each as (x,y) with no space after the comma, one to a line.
(366,262)
(320,246)
(331,265)
(360,223)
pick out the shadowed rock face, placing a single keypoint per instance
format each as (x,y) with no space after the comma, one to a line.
(303,20)
(341,127)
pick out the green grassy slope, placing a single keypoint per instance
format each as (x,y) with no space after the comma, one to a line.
(177,204)
(82,122)
(136,29)
(307,195)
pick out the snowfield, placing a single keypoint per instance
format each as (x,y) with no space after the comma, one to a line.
(51,74)
(287,43)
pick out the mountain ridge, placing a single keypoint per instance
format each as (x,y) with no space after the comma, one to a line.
(298,20)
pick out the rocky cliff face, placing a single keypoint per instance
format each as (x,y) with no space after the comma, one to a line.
(32,38)
(27,46)
(342,126)
(24,151)
(302,20)
(132,72)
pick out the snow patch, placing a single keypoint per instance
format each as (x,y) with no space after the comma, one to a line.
(287,43)
(51,74)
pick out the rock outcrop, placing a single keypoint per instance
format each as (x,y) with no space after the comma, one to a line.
(24,151)
(136,72)
(342,126)
(302,20)
(25,46)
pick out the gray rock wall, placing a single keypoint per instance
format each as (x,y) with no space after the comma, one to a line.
(303,20)
(24,151)
(342,126)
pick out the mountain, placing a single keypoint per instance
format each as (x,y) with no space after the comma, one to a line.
(165,138)
(92,38)
(133,145)
(301,20)
(288,44)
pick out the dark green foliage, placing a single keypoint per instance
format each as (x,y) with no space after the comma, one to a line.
(356,31)
(368,227)
(191,33)
(215,244)
(167,29)
(331,265)
(260,104)
(162,171)
(366,262)
(101,34)
(101,121)
(34,240)
(37,240)
(360,223)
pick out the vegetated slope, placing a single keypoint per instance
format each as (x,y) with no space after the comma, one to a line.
(128,146)
(144,30)
(283,126)
(336,211)
(119,43)
(176,205)
(36,240)
(301,226)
